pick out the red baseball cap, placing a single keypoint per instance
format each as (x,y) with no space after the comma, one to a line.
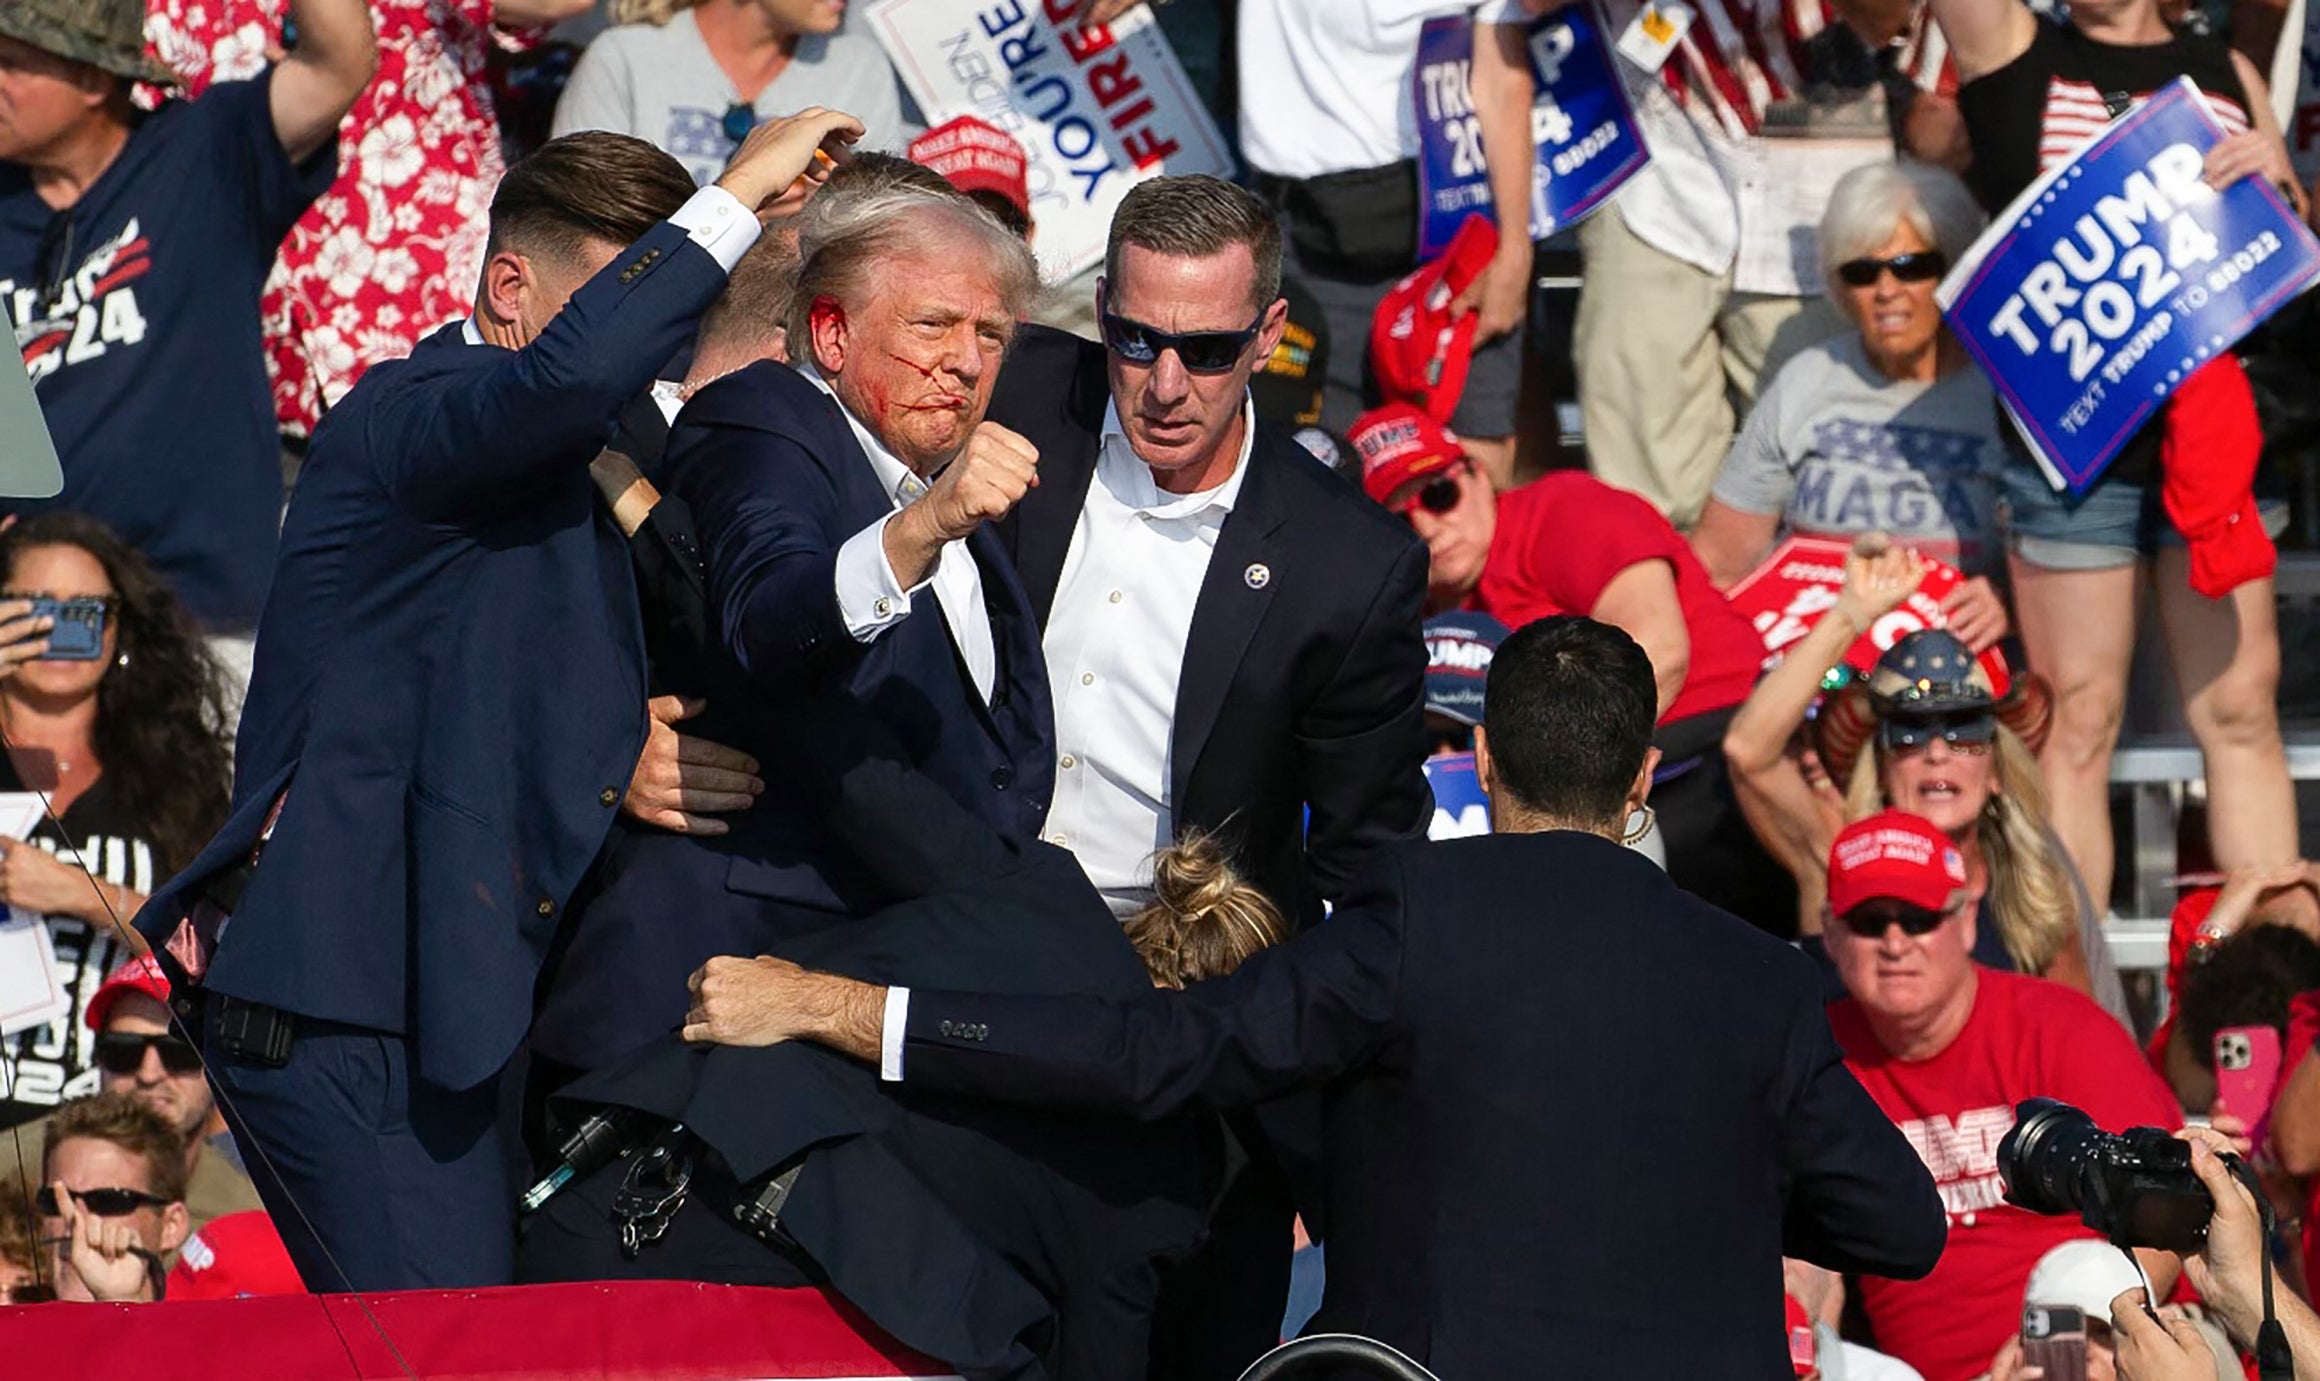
(234,1255)
(1417,353)
(1894,856)
(1804,1347)
(139,975)
(976,156)
(1397,443)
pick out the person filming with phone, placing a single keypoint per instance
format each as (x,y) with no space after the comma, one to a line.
(113,709)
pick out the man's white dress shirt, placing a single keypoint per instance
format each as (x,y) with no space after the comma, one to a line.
(1115,654)
(871,598)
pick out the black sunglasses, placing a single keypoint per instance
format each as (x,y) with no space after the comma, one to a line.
(105,1203)
(28,1294)
(1869,919)
(1964,733)
(123,1052)
(1437,495)
(1916,267)
(1203,352)
(738,120)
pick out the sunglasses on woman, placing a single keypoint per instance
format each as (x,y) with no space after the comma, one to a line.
(1203,352)
(1971,734)
(123,1052)
(105,1203)
(1870,919)
(1915,267)
(28,1294)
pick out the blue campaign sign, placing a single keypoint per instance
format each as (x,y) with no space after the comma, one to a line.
(1460,808)
(1581,123)
(2115,276)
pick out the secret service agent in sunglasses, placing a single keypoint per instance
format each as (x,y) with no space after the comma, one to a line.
(105,1203)
(1203,352)
(123,1052)
(1971,734)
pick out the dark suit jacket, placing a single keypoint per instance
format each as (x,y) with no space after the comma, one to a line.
(1574,1107)
(1046,1231)
(1302,690)
(777,482)
(449,679)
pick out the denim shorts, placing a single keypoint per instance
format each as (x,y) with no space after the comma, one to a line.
(2109,526)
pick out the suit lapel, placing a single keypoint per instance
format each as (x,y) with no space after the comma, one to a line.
(1049,514)
(1234,595)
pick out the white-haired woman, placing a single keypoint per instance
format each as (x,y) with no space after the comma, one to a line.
(1887,427)
(693,77)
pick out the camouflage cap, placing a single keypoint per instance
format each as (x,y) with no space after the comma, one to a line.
(106,34)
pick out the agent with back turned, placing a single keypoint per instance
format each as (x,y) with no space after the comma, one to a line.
(447,708)
(1545,1066)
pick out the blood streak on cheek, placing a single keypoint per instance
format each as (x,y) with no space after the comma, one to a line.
(942,401)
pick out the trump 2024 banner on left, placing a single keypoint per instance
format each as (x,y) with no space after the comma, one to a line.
(1581,125)
(1097,109)
(2115,276)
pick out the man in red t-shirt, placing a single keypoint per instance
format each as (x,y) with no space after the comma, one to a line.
(1567,543)
(1948,1048)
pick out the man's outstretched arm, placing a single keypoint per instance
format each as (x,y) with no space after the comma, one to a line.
(1288,1018)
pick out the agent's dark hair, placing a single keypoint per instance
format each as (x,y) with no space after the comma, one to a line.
(594,185)
(162,733)
(2248,979)
(1194,216)
(120,1119)
(1569,707)
(755,307)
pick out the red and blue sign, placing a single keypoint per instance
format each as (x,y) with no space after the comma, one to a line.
(1581,124)
(2117,275)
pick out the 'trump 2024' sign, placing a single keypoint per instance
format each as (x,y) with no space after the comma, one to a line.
(1581,124)
(2115,276)
(1097,109)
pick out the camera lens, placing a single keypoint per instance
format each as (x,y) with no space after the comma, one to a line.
(2041,1157)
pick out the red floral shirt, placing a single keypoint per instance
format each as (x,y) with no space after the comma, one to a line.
(392,250)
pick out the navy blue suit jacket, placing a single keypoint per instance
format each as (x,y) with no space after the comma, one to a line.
(777,482)
(1568,1102)
(449,679)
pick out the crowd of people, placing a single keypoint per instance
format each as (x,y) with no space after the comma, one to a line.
(631,694)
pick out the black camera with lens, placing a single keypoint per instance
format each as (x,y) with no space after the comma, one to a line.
(2135,1187)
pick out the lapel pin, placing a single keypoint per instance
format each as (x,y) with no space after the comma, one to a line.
(1259,575)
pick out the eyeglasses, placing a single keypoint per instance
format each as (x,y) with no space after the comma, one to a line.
(123,1052)
(28,1294)
(105,1203)
(1870,919)
(1203,352)
(1916,267)
(739,118)
(1969,734)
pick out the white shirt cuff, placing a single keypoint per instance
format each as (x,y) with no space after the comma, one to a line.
(718,223)
(870,599)
(890,1035)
